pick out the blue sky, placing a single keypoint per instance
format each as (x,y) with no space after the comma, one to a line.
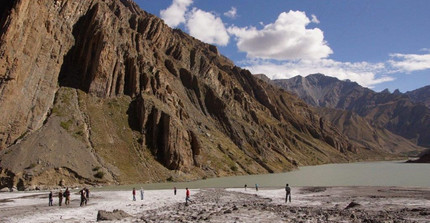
(379,44)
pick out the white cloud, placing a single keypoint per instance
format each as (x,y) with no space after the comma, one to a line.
(232,13)
(410,62)
(315,19)
(207,27)
(285,39)
(175,13)
(365,74)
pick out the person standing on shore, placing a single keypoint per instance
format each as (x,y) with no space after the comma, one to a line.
(287,193)
(50,198)
(256,187)
(87,195)
(83,199)
(134,194)
(60,198)
(187,196)
(246,186)
(67,196)
(174,190)
(141,193)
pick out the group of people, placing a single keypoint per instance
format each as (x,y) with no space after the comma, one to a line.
(141,193)
(187,194)
(85,196)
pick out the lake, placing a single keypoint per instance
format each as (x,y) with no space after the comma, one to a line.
(387,173)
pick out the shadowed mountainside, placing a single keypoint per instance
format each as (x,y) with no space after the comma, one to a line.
(103,92)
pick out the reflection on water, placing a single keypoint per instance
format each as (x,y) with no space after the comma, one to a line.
(393,173)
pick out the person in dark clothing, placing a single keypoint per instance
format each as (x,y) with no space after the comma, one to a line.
(246,186)
(50,198)
(67,195)
(287,193)
(134,194)
(60,198)
(187,196)
(174,190)
(87,195)
(256,187)
(83,197)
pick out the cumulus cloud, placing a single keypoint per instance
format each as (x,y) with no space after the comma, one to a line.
(207,27)
(410,62)
(232,13)
(285,39)
(314,19)
(365,74)
(174,15)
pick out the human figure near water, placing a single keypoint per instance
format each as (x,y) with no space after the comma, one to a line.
(50,198)
(141,193)
(67,196)
(87,195)
(246,186)
(256,187)
(83,197)
(174,190)
(134,194)
(287,193)
(187,196)
(60,198)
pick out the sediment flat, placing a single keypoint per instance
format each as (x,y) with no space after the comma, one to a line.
(309,204)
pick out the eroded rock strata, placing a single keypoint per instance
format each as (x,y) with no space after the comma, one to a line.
(103,92)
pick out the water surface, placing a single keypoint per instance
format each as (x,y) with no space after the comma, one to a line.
(387,173)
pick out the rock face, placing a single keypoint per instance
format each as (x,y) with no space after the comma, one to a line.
(111,216)
(396,112)
(141,102)
(420,95)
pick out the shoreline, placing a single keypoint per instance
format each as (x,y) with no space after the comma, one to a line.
(229,204)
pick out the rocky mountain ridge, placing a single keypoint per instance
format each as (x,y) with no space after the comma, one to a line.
(102,92)
(394,111)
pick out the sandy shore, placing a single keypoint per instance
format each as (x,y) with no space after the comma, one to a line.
(309,204)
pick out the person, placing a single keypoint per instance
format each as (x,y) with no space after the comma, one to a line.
(67,196)
(287,193)
(60,198)
(50,198)
(187,196)
(174,190)
(256,187)
(134,194)
(83,199)
(246,186)
(87,195)
(141,193)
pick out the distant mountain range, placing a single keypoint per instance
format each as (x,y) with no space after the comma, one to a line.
(404,114)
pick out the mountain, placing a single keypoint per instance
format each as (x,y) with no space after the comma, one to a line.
(396,112)
(100,92)
(420,95)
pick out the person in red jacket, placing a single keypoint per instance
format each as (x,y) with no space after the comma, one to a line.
(134,194)
(187,196)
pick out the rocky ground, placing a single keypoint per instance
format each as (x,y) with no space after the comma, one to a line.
(219,205)
(309,204)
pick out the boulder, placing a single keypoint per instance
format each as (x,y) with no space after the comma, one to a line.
(111,216)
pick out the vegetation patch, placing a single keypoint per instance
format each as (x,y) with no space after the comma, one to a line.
(66,125)
(100,174)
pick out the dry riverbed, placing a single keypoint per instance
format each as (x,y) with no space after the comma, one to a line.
(309,204)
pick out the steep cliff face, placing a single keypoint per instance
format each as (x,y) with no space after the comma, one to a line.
(395,112)
(140,101)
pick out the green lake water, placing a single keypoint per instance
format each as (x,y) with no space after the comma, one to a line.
(387,173)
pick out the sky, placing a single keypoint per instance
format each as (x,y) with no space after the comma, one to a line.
(378,44)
